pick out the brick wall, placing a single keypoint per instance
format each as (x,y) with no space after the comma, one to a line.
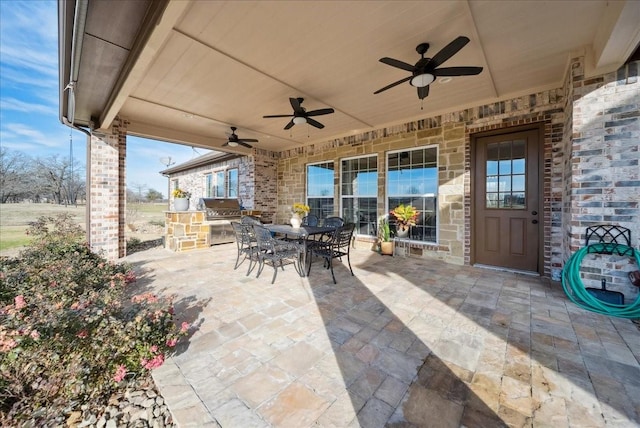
(107,201)
(266,173)
(602,168)
(194,180)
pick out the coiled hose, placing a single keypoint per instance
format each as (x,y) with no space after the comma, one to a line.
(577,293)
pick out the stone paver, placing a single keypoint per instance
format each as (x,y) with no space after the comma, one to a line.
(404,342)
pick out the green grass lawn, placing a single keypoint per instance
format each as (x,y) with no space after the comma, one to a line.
(15,219)
(12,237)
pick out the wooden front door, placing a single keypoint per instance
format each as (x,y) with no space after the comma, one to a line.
(507,218)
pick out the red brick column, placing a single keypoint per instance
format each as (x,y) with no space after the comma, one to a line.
(106,201)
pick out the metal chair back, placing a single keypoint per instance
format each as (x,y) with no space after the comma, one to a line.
(249,219)
(333,222)
(311,220)
(246,245)
(335,248)
(276,252)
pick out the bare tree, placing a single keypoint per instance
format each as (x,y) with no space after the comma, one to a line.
(139,190)
(15,176)
(52,173)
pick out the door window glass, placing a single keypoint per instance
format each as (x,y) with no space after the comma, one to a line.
(505,175)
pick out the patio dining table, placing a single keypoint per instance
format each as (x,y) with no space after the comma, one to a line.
(303,233)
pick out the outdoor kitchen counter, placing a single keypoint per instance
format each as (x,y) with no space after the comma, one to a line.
(186,230)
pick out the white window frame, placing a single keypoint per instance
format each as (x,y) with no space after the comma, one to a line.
(425,195)
(341,196)
(306,181)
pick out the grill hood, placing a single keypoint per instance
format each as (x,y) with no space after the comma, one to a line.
(219,208)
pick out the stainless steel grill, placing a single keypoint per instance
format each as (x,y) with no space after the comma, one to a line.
(219,215)
(220,209)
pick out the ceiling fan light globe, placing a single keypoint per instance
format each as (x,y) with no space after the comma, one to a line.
(299,120)
(422,80)
(232,144)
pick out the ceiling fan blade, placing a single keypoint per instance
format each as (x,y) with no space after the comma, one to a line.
(320,112)
(225,144)
(297,108)
(406,79)
(397,64)
(315,123)
(289,125)
(423,92)
(277,115)
(457,71)
(242,143)
(448,51)
(247,140)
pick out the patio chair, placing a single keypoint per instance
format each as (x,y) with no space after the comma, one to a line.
(338,246)
(333,222)
(249,219)
(246,244)
(310,220)
(276,252)
(330,222)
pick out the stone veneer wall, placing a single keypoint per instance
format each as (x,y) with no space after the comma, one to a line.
(451,132)
(603,169)
(591,154)
(106,205)
(186,230)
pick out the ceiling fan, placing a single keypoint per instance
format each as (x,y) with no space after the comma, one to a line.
(300,115)
(234,141)
(426,70)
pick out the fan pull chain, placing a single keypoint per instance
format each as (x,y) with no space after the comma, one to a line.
(422,104)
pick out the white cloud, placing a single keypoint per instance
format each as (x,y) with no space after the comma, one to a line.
(21,136)
(26,107)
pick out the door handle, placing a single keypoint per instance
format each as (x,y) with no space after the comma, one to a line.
(534,212)
(534,221)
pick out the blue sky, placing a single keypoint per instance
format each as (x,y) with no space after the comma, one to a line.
(29,97)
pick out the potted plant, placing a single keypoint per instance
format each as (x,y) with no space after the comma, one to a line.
(384,236)
(406,216)
(299,210)
(180,199)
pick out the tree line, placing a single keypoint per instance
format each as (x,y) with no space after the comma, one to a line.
(51,179)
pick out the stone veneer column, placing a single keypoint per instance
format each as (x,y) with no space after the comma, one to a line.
(106,202)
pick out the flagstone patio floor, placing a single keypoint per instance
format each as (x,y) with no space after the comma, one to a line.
(406,342)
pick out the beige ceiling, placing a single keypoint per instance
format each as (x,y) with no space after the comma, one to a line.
(198,67)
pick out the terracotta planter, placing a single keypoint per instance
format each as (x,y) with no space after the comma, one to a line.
(386,248)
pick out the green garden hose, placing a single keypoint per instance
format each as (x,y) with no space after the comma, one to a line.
(577,293)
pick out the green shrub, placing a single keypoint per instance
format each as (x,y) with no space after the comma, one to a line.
(134,244)
(68,334)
